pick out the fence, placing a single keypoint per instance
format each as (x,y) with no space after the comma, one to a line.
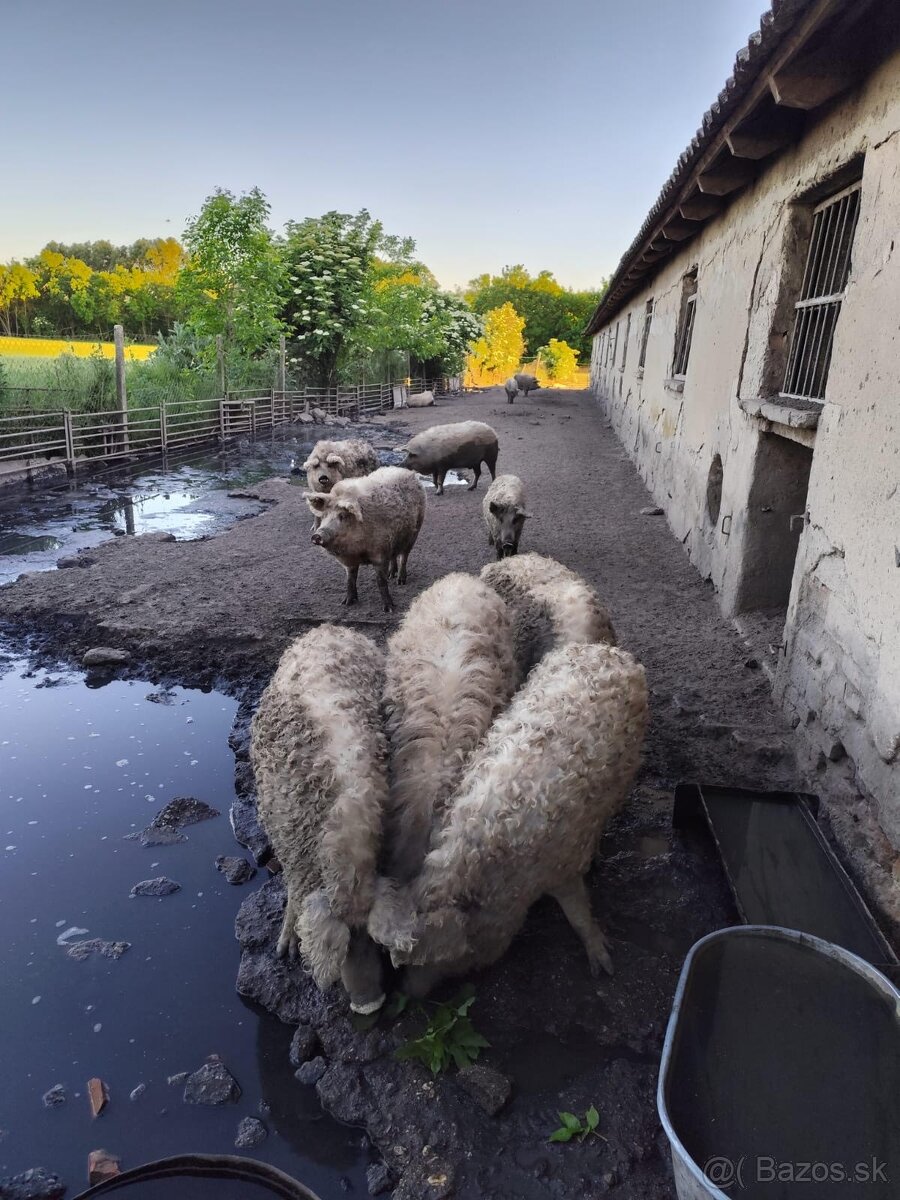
(78,439)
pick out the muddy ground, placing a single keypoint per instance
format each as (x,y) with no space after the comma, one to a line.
(220,612)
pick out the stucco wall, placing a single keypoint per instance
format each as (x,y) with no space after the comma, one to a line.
(839,674)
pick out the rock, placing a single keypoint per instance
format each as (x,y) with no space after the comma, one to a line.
(105,656)
(304,1045)
(250,1133)
(379,1179)
(161,697)
(319,416)
(236,870)
(55,1096)
(35,1184)
(156,837)
(343,422)
(98,1096)
(488,1088)
(311,1072)
(306,418)
(652,510)
(161,886)
(178,1079)
(102,1166)
(212,1084)
(183,810)
(82,950)
(137,1092)
(247,830)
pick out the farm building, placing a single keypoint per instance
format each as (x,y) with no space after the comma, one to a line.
(747,354)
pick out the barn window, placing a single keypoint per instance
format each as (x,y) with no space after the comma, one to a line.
(625,342)
(614,347)
(685,325)
(824,282)
(645,333)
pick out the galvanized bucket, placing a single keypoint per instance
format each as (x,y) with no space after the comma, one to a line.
(260,1180)
(781,1067)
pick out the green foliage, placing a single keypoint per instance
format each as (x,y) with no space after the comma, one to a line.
(497,353)
(559,362)
(327,261)
(449,1037)
(575,1127)
(232,282)
(550,311)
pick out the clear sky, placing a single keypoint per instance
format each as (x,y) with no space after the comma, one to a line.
(491,131)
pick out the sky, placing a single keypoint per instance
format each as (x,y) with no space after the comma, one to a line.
(491,131)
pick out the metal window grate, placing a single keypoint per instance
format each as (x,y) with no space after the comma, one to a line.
(645,332)
(686,327)
(824,282)
(625,342)
(614,345)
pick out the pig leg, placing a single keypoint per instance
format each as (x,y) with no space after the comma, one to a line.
(401,566)
(572,898)
(490,460)
(361,974)
(288,942)
(352,596)
(392,571)
(381,576)
(476,473)
(439,482)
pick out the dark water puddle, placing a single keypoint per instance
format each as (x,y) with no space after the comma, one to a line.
(189,499)
(80,768)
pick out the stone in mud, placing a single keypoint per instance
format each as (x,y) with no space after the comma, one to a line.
(379,1179)
(311,1072)
(343,422)
(161,886)
(319,416)
(213,1084)
(236,870)
(161,697)
(250,1133)
(98,1096)
(83,950)
(105,656)
(306,419)
(156,837)
(102,1166)
(177,1080)
(488,1088)
(304,1045)
(35,1184)
(183,810)
(54,1097)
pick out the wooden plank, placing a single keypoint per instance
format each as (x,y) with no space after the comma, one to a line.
(812,81)
(723,179)
(699,207)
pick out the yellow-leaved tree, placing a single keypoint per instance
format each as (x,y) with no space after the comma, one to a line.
(557,362)
(497,353)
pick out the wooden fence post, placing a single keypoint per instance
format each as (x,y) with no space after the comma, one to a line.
(121,394)
(282,365)
(220,366)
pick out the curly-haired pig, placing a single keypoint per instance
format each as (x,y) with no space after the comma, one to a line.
(505,513)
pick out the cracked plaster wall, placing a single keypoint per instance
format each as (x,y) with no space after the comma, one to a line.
(839,675)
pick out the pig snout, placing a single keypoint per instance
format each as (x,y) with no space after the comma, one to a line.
(317,539)
(509,548)
(324,480)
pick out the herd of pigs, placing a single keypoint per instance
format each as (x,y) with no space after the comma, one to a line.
(421,798)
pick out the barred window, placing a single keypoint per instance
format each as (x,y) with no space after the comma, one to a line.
(685,325)
(625,342)
(614,344)
(645,333)
(824,282)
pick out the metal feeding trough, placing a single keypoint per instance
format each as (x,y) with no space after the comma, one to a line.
(780,868)
(780,1073)
(203,1177)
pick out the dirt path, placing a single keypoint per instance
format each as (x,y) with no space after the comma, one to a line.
(224,609)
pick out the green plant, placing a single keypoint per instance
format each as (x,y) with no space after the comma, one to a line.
(449,1037)
(574,1127)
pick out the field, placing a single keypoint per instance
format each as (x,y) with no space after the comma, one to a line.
(31,348)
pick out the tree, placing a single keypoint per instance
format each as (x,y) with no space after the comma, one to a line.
(550,310)
(557,362)
(497,353)
(327,261)
(232,282)
(17,286)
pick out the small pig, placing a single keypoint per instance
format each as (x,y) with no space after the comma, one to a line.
(373,519)
(505,513)
(442,448)
(527,383)
(511,388)
(329,462)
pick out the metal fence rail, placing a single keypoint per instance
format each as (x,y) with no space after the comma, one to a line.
(79,439)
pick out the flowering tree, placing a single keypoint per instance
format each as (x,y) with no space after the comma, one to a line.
(557,362)
(327,261)
(497,353)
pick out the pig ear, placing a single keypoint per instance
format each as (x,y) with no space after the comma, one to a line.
(316,501)
(334,460)
(310,462)
(495,508)
(523,512)
(402,449)
(352,507)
